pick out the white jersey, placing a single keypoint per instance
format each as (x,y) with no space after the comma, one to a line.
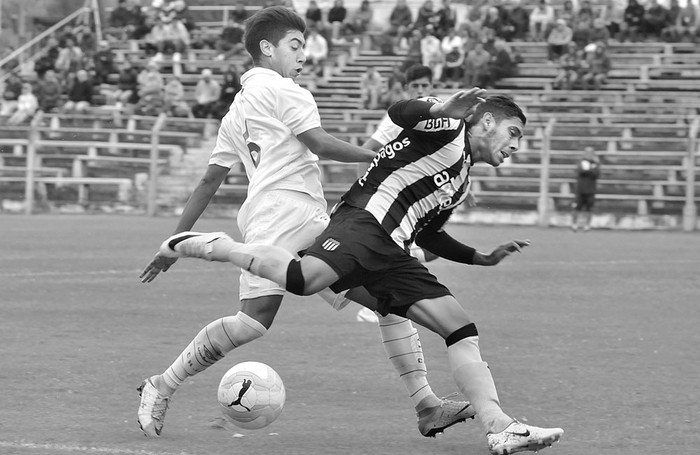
(260,130)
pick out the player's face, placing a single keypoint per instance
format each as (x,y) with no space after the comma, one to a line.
(287,58)
(501,139)
(419,88)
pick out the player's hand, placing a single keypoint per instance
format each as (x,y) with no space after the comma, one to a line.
(501,252)
(158,264)
(461,105)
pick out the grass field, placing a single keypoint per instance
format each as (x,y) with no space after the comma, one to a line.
(596,333)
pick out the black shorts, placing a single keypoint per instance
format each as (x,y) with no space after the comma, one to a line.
(359,250)
(585,202)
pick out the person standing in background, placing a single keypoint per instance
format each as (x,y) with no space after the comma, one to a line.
(587,173)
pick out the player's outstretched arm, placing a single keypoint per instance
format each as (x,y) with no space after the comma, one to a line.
(327,146)
(196,204)
(500,252)
(460,105)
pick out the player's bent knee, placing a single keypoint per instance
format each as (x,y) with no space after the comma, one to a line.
(460,334)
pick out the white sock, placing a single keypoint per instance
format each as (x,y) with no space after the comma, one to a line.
(210,345)
(266,261)
(402,346)
(474,380)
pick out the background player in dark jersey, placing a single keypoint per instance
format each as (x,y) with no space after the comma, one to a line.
(407,194)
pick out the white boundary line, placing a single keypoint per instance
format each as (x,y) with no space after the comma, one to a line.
(25,445)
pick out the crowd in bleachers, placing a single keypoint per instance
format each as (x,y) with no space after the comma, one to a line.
(472,48)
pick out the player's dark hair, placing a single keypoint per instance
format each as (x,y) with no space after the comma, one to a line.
(418,71)
(501,107)
(270,24)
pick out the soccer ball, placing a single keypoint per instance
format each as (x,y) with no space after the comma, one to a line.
(252,395)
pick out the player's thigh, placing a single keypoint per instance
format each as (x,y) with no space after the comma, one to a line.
(262,309)
(317,274)
(282,219)
(443,315)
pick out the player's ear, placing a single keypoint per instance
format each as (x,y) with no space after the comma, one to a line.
(488,121)
(266,48)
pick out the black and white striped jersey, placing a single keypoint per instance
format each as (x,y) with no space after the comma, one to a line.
(423,171)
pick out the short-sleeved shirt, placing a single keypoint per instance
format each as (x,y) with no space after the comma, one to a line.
(260,131)
(386,130)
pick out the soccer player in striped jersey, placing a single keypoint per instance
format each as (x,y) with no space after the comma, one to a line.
(407,194)
(273,127)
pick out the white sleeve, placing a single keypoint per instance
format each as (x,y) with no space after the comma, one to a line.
(225,151)
(297,108)
(386,131)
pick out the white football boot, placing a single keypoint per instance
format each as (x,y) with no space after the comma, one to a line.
(190,244)
(437,419)
(519,437)
(152,409)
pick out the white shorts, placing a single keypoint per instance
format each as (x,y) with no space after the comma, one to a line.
(287,219)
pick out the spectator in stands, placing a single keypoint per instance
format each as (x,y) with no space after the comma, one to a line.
(585,14)
(541,20)
(476,66)
(316,51)
(475,16)
(10,94)
(686,28)
(49,91)
(570,66)
(426,16)
(411,45)
(393,94)
(599,32)
(400,21)
(79,93)
(498,20)
(503,63)
(558,40)
(103,63)
(314,16)
(27,105)
(127,21)
(519,18)
(206,94)
(582,32)
(613,15)
(150,81)
(598,67)
(447,19)
(229,87)
(239,14)
(632,21)
(655,20)
(567,12)
(169,35)
(70,58)
(587,173)
(230,41)
(174,104)
(127,89)
(431,52)
(674,11)
(452,46)
(361,19)
(47,60)
(371,87)
(337,16)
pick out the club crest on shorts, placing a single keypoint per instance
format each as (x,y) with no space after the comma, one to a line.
(330,244)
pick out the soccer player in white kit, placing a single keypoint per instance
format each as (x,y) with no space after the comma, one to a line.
(273,128)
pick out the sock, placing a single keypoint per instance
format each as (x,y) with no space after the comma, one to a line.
(266,261)
(210,345)
(474,380)
(402,346)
